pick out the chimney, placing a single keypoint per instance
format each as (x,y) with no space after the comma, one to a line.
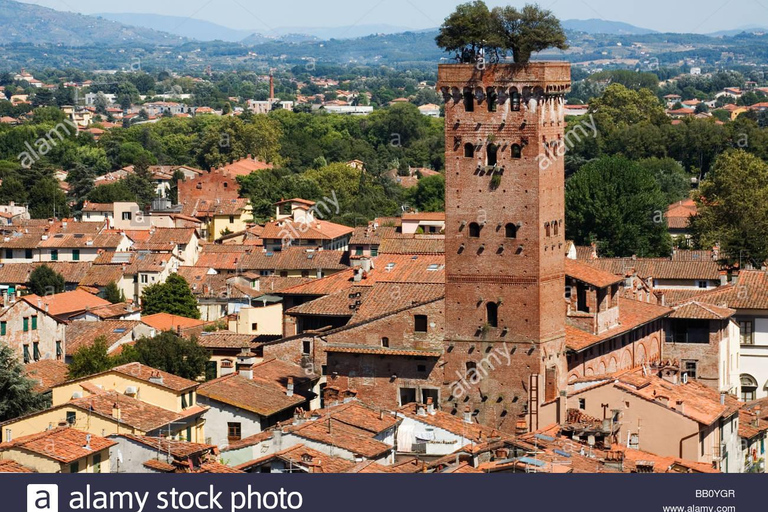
(722,398)
(723,278)
(430,406)
(467,415)
(289,388)
(156,378)
(87,442)
(116,411)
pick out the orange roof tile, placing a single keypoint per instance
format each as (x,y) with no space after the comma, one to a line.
(67,303)
(169,322)
(63,444)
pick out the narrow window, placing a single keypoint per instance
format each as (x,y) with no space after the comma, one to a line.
(385,342)
(493,151)
(234,431)
(510,230)
(492,99)
(55,255)
(75,254)
(469,100)
(469,150)
(492,314)
(548,229)
(474,230)
(34,323)
(517,151)
(420,323)
(306,347)
(3,328)
(515,100)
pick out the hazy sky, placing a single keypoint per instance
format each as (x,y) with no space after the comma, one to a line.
(261,15)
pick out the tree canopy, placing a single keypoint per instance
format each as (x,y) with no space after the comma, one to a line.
(173,296)
(617,204)
(733,208)
(46,281)
(474,32)
(17,390)
(168,352)
(91,359)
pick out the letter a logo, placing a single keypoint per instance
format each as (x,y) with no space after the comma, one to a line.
(42,498)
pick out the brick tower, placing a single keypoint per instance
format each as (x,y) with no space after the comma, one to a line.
(504,241)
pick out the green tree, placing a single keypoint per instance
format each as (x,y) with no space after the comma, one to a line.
(428,195)
(173,296)
(92,359)
(19,397)
(465,31)
(142,185)
(524,32)
(46,199)
(733,208)
(673,181)
(170,353)
(113,293)
(81,180)
(617,204)
(46,281)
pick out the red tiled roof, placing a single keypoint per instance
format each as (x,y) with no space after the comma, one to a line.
(143,372)
(589,274)
(699,311)
(63,444)
(256,395)
(11,466)
(169,322)
(65,303)
(47,373)
(177,449)
(632,314)
(749,292)
(81,334)
(315,230)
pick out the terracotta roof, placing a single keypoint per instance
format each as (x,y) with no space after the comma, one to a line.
(256,395)
(350,426)
(245,166)
(102,275)
(589,274)
(699,311)
(316,230)
(11,466)
(62,444)
(632,314)
(214,207)
(227,340)
(216,467)
(113,311)
(46,373)
(278,371)
(301,456)
(660,268)
(169,322)
(63,304)
(426,216)
(749,424)
(177,449)
(82,333)
(158,465)
(432,245)
(98,207)
(733,295)
(78,240)
(449,422)
(133,413)
(293,258)
(691,399)
(143,372)
(399,296)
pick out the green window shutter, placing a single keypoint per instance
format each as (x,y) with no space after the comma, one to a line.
(36,351)
(3,328)
(54,255)
(26,324)
(26,354)
(75,254)
(34,323)
(183,401)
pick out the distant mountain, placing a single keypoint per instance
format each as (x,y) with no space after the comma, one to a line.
(27,23)
(185,27)
(736,31)
(347,32)
(595,26)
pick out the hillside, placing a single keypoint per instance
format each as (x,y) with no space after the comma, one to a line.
(595,26)
(27,23)
(184,27)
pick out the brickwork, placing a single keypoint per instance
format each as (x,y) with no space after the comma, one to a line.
(211,185)
(504,233)
(706,355)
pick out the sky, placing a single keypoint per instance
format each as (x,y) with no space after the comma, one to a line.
(700,16)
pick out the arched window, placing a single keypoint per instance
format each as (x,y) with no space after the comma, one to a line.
(493,151)
(469,100)
(748,387)
(515,100)
(492,314)
(555,227)
(469,150)
(517,151)
(548,229)
(474,230)
(510,230)
(492,99)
